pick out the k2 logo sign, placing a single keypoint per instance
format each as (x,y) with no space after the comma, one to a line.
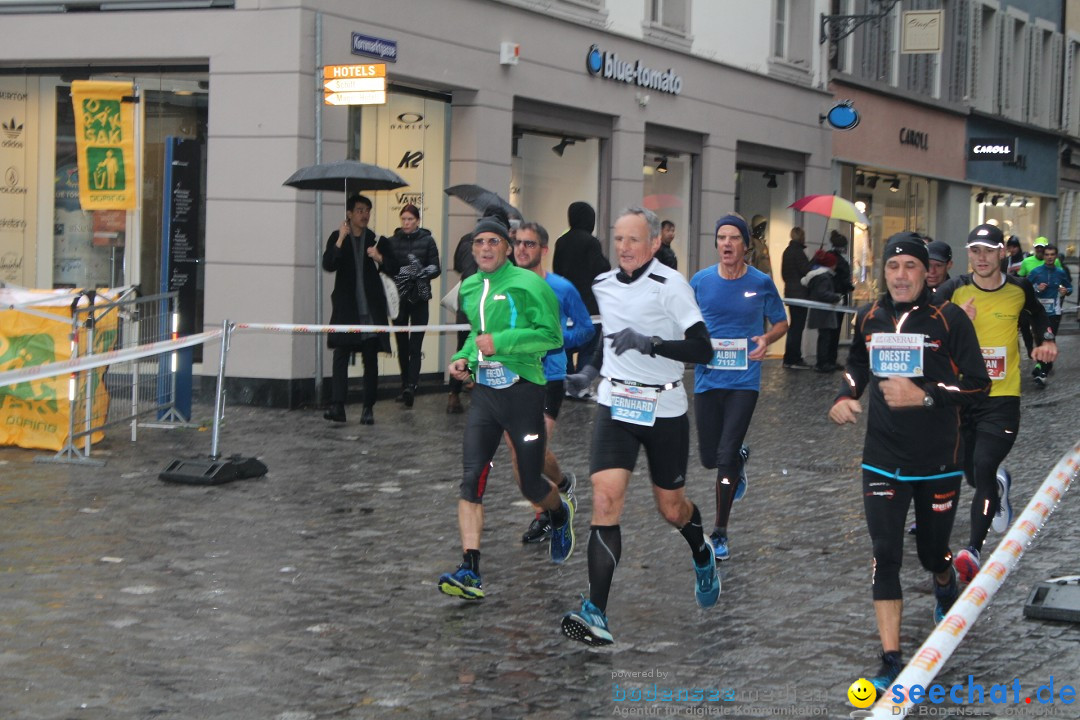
(411,159)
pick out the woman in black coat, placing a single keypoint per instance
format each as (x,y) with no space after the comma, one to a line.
(418,258)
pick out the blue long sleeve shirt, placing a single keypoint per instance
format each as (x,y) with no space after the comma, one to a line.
(577,327)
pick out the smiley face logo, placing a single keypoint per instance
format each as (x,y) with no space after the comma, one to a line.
(861,694)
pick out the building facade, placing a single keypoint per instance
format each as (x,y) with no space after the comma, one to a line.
(544,102)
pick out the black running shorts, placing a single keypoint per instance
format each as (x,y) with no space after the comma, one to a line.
(615,444)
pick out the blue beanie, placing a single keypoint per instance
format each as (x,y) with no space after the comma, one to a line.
(737,222)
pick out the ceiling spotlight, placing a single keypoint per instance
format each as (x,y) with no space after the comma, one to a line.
(661,164)
(561,147)
(772,180)
(981,197)
(872,181)
(860,179)
(895,185)
(995,200)
(1025,203)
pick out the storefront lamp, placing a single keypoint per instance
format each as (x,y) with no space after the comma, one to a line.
(995,200)
(981,197)
(895,185)
(842,116)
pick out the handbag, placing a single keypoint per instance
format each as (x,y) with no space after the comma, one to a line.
(450,299)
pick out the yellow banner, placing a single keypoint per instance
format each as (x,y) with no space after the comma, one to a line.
(105,138)
(36,414)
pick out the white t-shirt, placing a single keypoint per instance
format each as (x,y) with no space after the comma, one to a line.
(661,303)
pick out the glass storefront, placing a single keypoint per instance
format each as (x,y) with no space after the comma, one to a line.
(409,135)
(1015,214)
(894,202)
(548,172)
(767,192)
(666,190)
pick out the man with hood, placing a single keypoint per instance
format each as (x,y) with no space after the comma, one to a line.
(793,267)
(579,258)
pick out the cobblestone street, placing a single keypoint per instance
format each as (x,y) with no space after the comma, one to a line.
(311,593)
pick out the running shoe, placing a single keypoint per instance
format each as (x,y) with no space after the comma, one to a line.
(1004,516)
(562,538)
(587,625)
(946,594)
(707,582)
(569,488)
(720,546)
(913,529)
(740,486)
(887,673)
(539,529)
(796,366)
(1038,373)
(966,563)
(462,583)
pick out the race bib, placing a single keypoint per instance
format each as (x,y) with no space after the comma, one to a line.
(1050,305)
(495,375)
(994,357)
(896,354)
(633,404)
(729,354)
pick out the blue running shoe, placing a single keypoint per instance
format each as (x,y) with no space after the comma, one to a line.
(1004,517)
(966,563)
(588,625)
(740,487)
(462,583)
(562,538)
(720,546)
(887,673)
(707,582)
(569,488)
(946,595)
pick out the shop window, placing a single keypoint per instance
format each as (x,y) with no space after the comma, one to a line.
(548,172)
(767,192)
(1044,81)
(1014,67)
(666,190)
(1070,96)
(671,15)
(983,63)
(793,39)
(1014,214)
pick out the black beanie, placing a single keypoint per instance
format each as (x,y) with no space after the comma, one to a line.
(907,243)
(492,225)
(737,222)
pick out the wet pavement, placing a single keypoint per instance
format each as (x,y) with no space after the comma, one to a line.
(311,593)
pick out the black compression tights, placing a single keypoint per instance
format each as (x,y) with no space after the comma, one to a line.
(981,460)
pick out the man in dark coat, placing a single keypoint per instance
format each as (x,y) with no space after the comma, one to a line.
(793,267)
(579,258)
(356,257)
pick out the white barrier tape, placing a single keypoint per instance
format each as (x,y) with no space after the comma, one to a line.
(316,329)
(939,646)
(814,305)
(288,328)
(113,357)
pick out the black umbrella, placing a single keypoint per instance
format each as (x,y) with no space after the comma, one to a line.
(345,175)
(482,198)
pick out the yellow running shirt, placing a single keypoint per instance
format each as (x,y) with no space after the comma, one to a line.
(997,317)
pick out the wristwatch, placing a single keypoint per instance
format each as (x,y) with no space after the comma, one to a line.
(927,401)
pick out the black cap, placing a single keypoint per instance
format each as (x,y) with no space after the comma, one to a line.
(986,234)
(939,250)
(907,243)
(492,225)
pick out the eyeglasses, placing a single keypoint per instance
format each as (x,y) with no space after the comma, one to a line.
(490,242)
(530,244)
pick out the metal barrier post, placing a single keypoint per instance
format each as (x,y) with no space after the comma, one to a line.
(89,375)
(219,395)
